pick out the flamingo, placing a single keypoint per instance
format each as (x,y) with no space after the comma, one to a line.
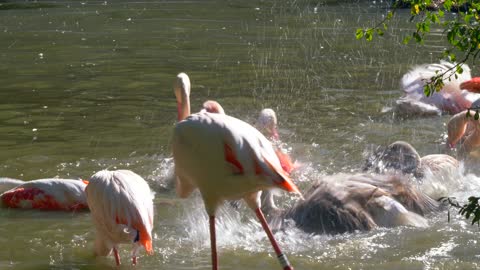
(9,183)
(453,97)
(47,194)
(460,126)
(267,123)
(212,106)
(403,157)
(343,203)
(226,159)
(121,206)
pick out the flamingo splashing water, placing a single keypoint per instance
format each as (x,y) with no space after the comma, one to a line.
(343,203)
(226,159)
(454,96)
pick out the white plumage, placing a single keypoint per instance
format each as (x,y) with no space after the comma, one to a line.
(9,183)
(121,206)
(451,99)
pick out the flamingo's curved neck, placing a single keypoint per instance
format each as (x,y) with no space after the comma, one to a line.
(183,109)
(182,94)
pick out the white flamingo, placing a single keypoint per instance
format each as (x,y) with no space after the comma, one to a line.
(47,194)
(346,203)
(452,98)
(121,206)
(226,159)
(402,156)
(267,123)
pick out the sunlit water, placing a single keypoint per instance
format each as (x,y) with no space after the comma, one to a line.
(88,85)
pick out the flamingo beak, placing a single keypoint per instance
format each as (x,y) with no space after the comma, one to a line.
(472,85)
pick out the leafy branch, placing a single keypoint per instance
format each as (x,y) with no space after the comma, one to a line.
(470,209)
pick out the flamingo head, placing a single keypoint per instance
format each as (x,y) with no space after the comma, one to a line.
(267,123)
(182,93)
(472,85)
(212,106)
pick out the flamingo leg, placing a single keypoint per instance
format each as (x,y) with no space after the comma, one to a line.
(213,243)
(280,256)
(117,258)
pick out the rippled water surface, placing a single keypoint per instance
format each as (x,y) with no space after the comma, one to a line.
(87,85)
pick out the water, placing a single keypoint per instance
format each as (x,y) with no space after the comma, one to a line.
(88,85)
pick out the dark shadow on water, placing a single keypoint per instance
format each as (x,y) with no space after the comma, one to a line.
(7,5)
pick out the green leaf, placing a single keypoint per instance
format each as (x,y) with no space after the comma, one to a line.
(418,37)
(406,40)
(379,32)
(369,34)
(389,15)
(359,33)
(427,90)
(459,70)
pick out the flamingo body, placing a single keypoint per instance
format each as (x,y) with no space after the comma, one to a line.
(452,98)
(222,155)
(343,203)
(47,194)
(121,206)
(403,157)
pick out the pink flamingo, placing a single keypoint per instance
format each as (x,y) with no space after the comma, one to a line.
(47,194)
(226,159)
(212,106)
(453,97)
(460,126)
(121,205)
(266,123)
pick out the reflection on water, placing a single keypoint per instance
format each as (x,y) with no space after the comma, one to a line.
(88,85)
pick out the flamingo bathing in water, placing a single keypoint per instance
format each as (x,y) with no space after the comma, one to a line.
(266,123)
(346,203)
(226,159)
(453,97)
(121,205)
(47,194)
